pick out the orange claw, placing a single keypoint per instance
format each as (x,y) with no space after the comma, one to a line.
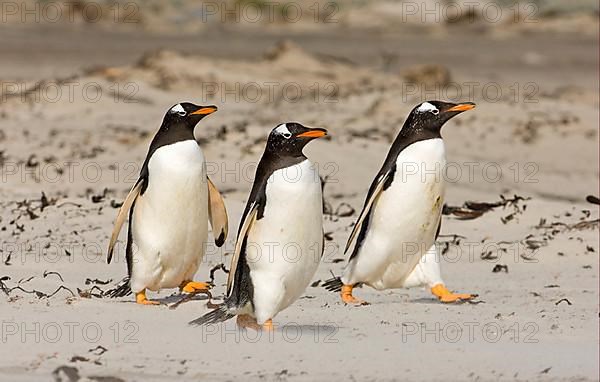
(445,296)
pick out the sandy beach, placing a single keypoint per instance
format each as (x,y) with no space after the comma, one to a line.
(79,104)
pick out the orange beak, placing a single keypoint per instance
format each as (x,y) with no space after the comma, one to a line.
(313,133)
(462,107)
(205,110)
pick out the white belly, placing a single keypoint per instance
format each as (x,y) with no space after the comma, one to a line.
(404,220)
(285,246)
(170,220)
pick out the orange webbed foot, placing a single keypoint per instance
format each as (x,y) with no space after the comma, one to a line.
(189,286)
(445,296)
(141,299)
(348,298)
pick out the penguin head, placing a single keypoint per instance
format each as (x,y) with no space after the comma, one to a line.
(188,114)
(431,115)
(288,139)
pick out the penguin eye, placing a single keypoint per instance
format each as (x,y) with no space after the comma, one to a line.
(182,113)
(426,106)
(283,130)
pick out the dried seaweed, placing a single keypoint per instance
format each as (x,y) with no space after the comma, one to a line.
(44,202)
(563,300)
(48,273)
(115,204)
(3,286)
(557,227)
(592,199)
(98,198)
(69,204)
(29,208)
(217,267)
(500,268)
(472,210)
(25,280)
(7,260)
(94,291)
(455,240)
(98,350)
(78,358)
(40,294)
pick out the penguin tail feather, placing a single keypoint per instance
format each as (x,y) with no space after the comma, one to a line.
(333,284)
(220,314)
(122,289)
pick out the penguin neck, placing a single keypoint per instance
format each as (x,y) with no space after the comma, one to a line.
(418,133)
(408,135)
(414,130)
(180,129)
(284,156)
(169,134)
(272,161)
(172,133)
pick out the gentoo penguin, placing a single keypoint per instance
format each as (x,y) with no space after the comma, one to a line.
(396,230)
(280,237)
(169,207)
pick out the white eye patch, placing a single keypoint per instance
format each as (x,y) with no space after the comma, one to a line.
(178,109)
(283,130)
(427,107)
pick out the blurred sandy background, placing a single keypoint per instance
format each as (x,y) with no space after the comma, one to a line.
(84,86)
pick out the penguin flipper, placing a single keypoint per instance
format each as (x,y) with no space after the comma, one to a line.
(217,214)
(373,195)
(123,213)
(248,221)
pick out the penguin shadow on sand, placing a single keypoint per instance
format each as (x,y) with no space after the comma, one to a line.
(175,299)
(313,329)
(434,301)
